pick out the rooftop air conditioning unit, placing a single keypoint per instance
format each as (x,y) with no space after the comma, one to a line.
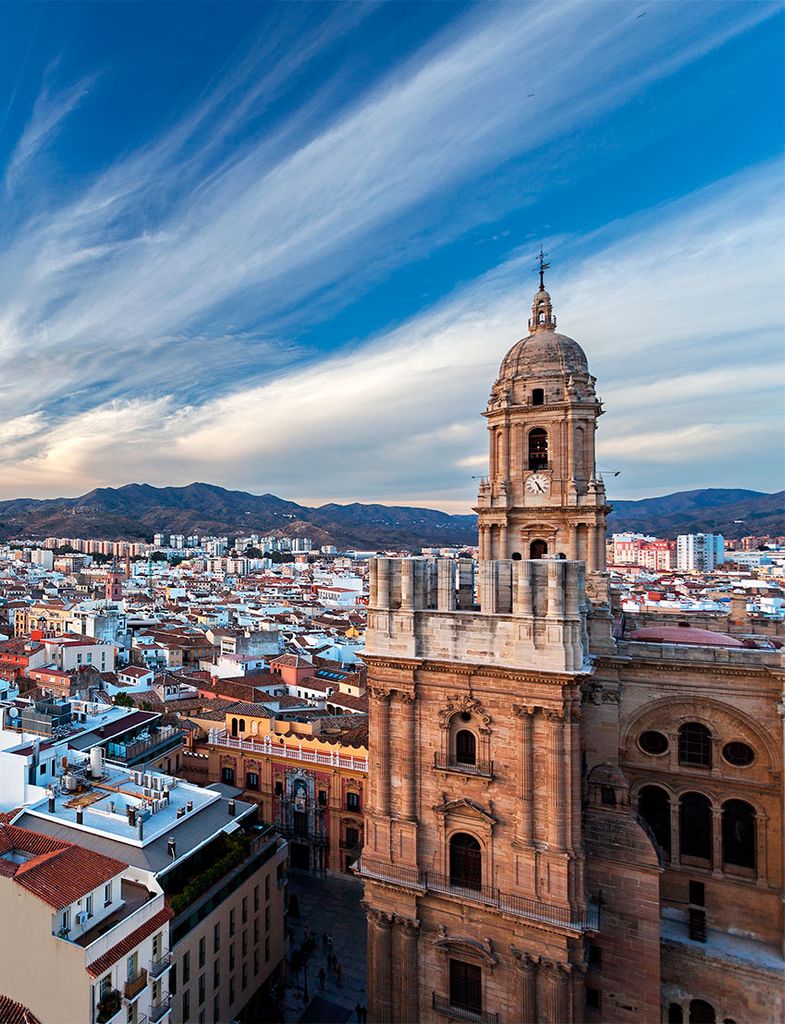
(82,917)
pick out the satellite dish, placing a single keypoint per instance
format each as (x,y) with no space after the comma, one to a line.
(13,712)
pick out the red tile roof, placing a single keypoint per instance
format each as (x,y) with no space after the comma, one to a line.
(118,951)
(12,1012)
(59,873)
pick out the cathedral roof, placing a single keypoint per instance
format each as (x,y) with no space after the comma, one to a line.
(544,352)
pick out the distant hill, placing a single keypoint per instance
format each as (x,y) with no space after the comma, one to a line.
(136,511)
(731,512)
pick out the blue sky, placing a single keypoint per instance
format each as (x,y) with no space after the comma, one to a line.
(285,247)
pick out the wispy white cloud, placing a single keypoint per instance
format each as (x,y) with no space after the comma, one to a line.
(51,108)
(107,296)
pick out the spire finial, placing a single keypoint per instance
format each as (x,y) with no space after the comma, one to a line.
(543,267)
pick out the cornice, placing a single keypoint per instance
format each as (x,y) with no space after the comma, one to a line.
(658,665)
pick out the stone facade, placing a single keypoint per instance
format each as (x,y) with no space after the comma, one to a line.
(562,825)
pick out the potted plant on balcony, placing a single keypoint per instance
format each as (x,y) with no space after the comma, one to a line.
(108,1005)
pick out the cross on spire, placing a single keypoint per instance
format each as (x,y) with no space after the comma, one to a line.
(543,267)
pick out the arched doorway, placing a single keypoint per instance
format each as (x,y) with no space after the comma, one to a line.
(738,833)
(538,549)
(702,1012)
(465,862)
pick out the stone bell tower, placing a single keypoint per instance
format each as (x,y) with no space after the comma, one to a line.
(543,496)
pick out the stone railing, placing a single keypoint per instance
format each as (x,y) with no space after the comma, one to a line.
(265,747)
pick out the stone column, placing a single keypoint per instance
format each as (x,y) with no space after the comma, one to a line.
(525,715)
(379,966)
(526,966)
(572,543)
(716,838)
(557,832)
(407,584)
(557,1007)
(406,991)
(383,582)
(591,552)
(409,755)
(602,559)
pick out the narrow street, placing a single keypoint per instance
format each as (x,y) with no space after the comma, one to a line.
(327,905)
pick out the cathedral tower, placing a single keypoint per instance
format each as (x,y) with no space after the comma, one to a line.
(543,495)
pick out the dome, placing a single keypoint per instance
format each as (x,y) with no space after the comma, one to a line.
(544,352)
(683,635)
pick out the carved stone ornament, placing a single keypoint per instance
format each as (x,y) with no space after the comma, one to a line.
(554,967)
(596,693)
(463,944)
(379,692)
(466,808)
(409,926)
(378,917)
(462,703)
(524,710)
(523,960)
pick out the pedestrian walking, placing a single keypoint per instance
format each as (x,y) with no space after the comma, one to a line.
(330,943)
(359,1013)
(322,976)
(365,1014)
(324,942)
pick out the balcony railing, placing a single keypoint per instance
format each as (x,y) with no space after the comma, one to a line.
(442,1004)
(447,763)
(108,1006)
(159,1010)
(157,967)
(134,986)
(509,903)
(221,738)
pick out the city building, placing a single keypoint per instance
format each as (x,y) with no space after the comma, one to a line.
(567,819)
(699,552)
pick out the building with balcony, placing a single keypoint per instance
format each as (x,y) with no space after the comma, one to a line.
(187,919)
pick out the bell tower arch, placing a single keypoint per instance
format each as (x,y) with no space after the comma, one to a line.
(543,496)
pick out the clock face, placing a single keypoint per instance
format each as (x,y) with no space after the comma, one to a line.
(538,484)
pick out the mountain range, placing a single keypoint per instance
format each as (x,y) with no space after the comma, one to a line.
(136,511)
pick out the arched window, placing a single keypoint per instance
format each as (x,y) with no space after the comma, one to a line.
(234,727)
(538,396)
(242,725)
(538,448)
(695,745)
(465,862)
(465,747)
(654,806)
(516,556)
(675,1014)
(538,549)
(738,833)
(702,1012)
(695,826)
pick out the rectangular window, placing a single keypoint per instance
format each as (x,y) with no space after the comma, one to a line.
(595,956)
(173,980)
(244,912)
(279,788)
(231,922)
(65,920)
(256,897)
(267,950)
(88,905)
(322,797)
(697,894)
(244,945)
(132,965)
(267,888)
(202,989)
(227,776)
(352,801)
(216,937)
(256,961)
(252,780)
(202,951)
(105,986)
(465,986)
(216,974)
(107,894)
(244,978)
(231,956)
(593,998)
(352,838)
(158,946)
(186,1006)
(256,929)
(186,967)
(216,1007)
(267,919)
(231,991)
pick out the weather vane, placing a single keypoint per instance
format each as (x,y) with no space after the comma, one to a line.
(543,267)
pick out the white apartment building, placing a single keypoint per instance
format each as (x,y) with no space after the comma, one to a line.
(699,552)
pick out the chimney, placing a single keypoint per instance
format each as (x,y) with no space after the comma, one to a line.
(131,816)
(51,803)
(79,815)
(172,847)
(139,827)
(189,806)
(230,807)
(180,812)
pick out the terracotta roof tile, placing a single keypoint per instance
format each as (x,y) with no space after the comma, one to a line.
(118,951)
(12,1012)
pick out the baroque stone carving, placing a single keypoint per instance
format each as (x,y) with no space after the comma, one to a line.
(462,703)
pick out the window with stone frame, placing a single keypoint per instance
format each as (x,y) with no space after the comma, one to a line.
(465,986)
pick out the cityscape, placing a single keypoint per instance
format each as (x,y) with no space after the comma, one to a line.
(456,694)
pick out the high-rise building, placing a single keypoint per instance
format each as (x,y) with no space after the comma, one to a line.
(700,552)
(565,822)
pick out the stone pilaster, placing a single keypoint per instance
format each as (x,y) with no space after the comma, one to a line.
(556,776)
(526,966)
(555,1004)
(526,824)
(380,965)
(406,992)
(409,754)
(380,749)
